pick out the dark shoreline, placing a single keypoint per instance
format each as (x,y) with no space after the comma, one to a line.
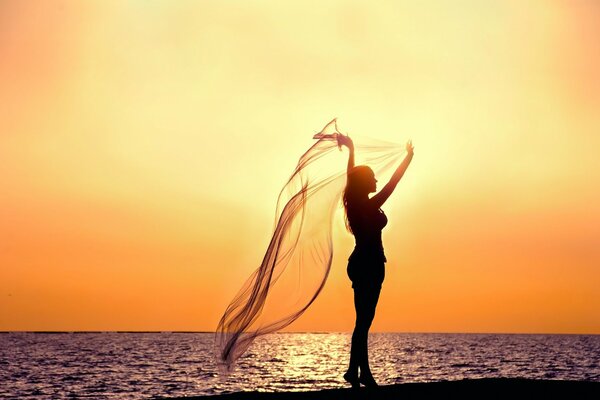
(489,388)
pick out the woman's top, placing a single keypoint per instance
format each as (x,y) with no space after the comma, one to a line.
(367,260)
(366,224)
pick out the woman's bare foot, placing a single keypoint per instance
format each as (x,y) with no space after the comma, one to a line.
(352,379)
(368,381)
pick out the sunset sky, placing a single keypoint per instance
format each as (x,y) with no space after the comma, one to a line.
(143,145)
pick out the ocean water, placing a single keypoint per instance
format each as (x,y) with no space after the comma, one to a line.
(147,365)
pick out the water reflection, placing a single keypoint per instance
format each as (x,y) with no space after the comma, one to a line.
(143,365)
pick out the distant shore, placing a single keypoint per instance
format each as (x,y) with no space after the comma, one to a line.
(493,388)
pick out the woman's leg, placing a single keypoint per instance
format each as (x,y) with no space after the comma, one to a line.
(371,296)
(356,338)
(365,301)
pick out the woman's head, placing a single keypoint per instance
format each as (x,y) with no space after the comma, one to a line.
(361,181)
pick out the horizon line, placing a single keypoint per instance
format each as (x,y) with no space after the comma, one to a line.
(293,332)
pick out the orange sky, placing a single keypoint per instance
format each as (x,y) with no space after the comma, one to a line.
(143,144)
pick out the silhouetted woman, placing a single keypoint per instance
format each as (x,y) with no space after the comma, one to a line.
(366,265)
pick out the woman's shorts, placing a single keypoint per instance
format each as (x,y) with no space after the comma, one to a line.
(366,272)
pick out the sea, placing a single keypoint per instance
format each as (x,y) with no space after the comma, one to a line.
(146,365)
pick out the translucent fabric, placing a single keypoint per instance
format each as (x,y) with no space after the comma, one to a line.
(298,258)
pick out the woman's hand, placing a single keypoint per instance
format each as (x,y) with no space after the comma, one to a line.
(344,140)
(409,148)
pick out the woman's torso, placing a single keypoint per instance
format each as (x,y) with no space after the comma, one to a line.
(367,260)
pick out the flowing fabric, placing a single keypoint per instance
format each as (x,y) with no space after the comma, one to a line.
(298,258)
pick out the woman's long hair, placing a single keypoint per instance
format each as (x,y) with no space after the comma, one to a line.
(356,188)
(298,258)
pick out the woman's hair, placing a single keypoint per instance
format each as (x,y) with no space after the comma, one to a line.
(357,186)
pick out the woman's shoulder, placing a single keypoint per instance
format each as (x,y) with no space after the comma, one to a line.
(361,210)
(362,205)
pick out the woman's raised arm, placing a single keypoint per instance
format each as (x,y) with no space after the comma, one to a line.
(346,141)
(377,200)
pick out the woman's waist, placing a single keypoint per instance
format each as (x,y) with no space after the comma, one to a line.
(368,245)
(371,251)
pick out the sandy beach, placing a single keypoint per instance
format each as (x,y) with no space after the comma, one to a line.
(477,388)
